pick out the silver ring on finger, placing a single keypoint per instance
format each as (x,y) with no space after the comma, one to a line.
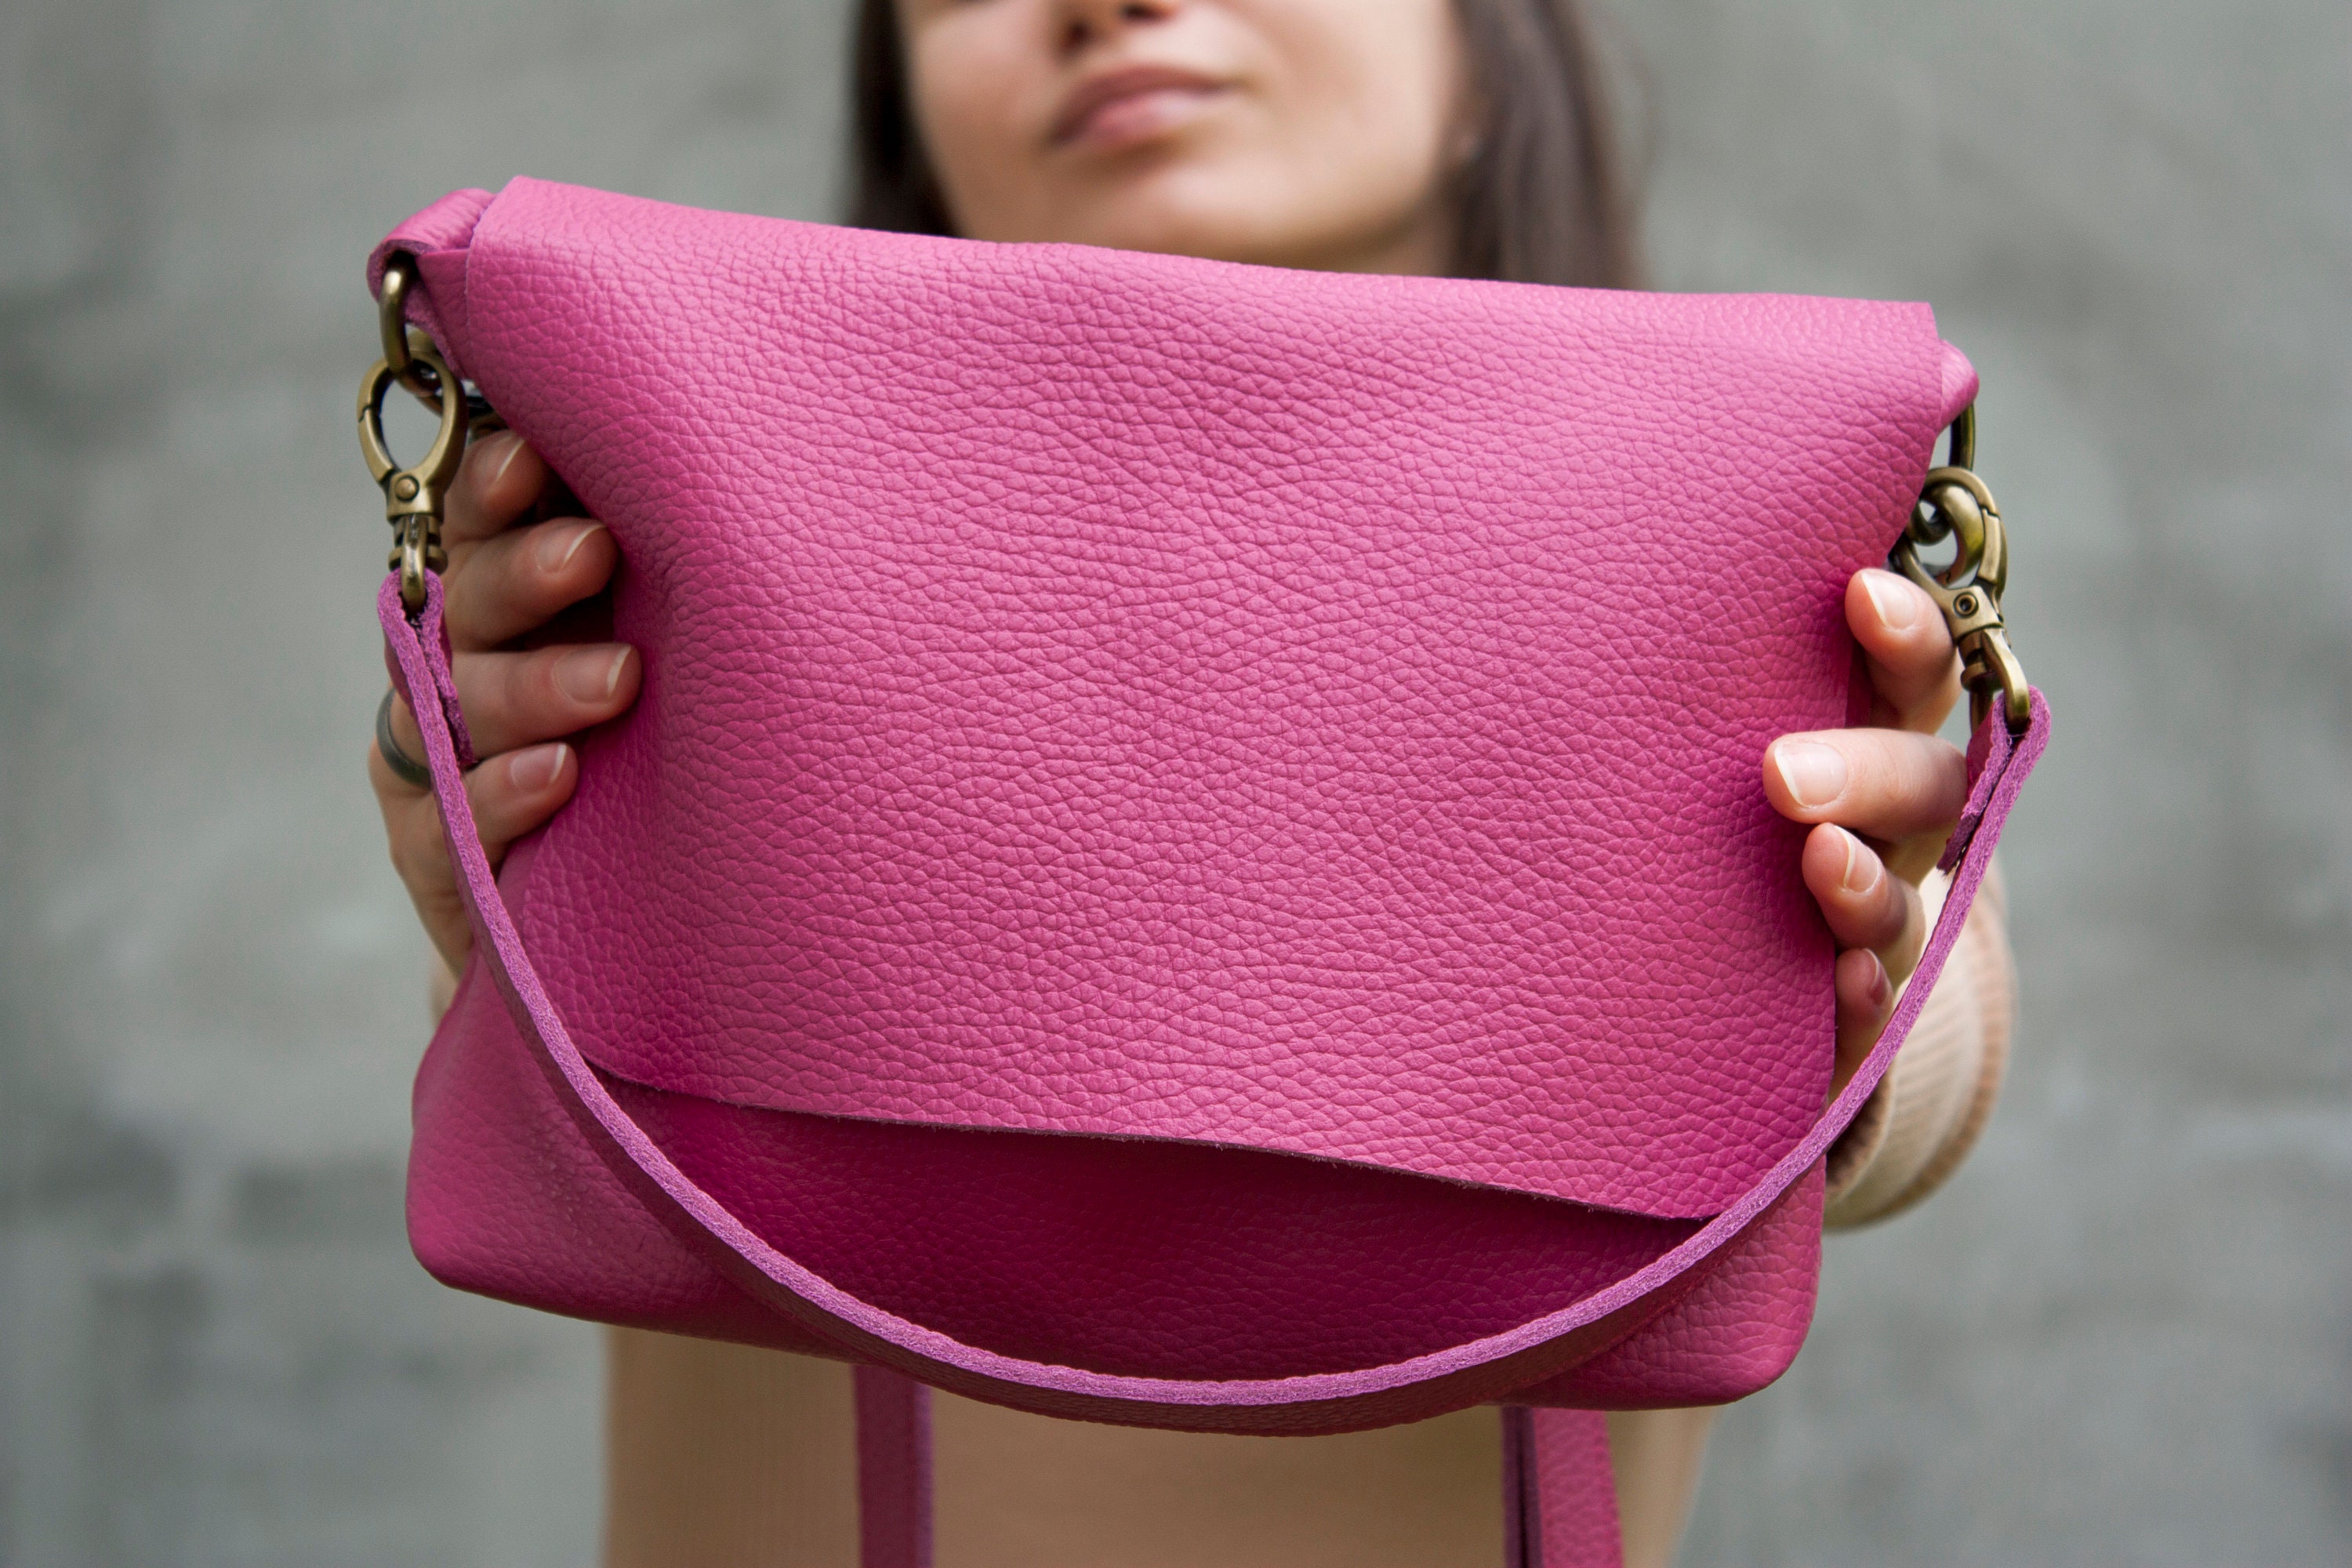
(409,770)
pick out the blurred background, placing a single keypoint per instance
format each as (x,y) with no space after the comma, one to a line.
(2123,1334)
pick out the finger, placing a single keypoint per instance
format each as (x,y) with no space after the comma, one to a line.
(515,793)
(1886,783)
(412,826)
(496,483)
(1865,998)
(389,785)
(513,699)
(1914,676)
(516,582)
(511,796)
(1865,904)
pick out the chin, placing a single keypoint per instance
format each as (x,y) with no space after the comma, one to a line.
(1190,210)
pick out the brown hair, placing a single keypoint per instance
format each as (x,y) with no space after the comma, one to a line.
(1543,200)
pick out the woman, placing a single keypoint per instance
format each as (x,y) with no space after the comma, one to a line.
(1410,136)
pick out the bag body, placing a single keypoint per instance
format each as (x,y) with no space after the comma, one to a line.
(1191,852)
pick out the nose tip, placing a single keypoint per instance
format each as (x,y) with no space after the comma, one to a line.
(1089,21)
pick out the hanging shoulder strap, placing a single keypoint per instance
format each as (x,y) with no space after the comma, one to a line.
(1483,1371)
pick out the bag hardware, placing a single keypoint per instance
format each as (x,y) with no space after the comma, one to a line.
(1954,505)
(413,496)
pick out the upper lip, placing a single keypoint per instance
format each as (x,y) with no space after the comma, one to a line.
(1124,83)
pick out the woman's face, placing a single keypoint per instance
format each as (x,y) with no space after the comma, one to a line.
(1295,133)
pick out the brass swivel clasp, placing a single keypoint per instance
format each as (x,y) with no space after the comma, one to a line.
(1955,505)
(413,495)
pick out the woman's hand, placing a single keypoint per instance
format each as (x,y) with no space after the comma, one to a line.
(522,688)
(1885,799)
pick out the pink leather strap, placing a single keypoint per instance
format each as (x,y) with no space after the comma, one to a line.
(894,1470)
(1485,1369)
(1559,1491)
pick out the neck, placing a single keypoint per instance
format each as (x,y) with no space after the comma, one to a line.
(1420,246)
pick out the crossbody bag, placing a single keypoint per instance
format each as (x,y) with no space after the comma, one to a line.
(1191,852)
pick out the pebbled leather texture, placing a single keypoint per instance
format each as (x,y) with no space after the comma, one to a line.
(1175,700)
(1191,853)
(1733,1329)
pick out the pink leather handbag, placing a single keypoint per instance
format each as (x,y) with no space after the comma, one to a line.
(1191,850)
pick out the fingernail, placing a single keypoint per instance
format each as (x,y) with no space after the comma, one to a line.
(1861,872)
(1814,775)
(506,459)
(1881,989)
(557,546)
(495,457)
(1896,602)
(536,768)
(589,674)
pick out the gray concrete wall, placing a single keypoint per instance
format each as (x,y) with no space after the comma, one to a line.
(2122,1335)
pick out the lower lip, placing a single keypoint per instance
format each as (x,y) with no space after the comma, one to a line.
(1141,117)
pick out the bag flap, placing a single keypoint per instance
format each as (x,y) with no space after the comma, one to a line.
(1138,696)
